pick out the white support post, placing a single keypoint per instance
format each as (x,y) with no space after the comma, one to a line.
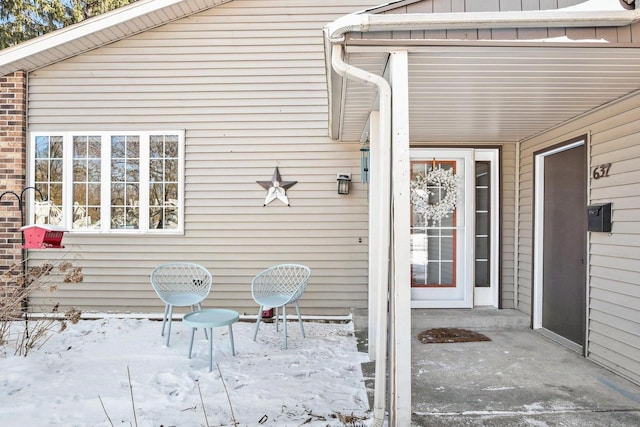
(400,351)
(375,249)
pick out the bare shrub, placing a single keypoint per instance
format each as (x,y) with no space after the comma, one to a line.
(16,285)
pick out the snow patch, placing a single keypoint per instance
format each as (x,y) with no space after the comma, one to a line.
(80,376)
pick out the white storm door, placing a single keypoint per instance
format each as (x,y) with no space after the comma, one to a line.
(442,253)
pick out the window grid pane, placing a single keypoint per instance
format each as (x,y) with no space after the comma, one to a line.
(125,182)
(48,179)
(163,182)
(92,198)
(86,182)
(483,218)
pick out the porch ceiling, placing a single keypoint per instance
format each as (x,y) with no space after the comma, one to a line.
(492,93)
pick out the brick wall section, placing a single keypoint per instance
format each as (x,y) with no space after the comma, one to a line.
(13,136)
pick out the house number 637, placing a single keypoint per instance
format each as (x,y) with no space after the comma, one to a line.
(601,171)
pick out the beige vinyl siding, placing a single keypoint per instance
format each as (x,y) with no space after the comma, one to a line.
(614,269)
(445,6)
(507,214)
(246,80)
(525,231)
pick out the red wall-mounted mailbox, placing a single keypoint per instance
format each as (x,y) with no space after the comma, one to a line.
(43,236)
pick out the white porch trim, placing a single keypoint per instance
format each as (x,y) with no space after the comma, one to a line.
(400,295)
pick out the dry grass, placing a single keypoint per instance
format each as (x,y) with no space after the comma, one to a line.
(17,284)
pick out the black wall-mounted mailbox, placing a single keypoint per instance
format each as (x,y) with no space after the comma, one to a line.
(599,217)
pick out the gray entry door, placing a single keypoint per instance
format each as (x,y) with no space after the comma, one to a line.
(564,244)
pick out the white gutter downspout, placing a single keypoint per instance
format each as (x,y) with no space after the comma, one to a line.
(362,22)
(381,154)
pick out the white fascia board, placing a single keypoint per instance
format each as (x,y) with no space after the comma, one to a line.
(82,29)
(480,20)
(519,19)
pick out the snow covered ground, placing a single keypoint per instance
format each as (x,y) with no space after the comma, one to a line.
(80,377)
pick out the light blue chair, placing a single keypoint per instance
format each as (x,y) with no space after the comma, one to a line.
(180,284)
(278,286)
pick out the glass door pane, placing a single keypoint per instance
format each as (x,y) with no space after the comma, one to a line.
(483,224)
(433,247)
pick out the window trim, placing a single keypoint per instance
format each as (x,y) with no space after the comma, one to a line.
(105,177)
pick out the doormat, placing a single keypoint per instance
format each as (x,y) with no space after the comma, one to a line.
(450,335)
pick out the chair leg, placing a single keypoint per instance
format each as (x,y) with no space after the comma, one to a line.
(300,319)
(255,334)
(169,320)
(276,309)
(164,318)
(193,332)
(284,324)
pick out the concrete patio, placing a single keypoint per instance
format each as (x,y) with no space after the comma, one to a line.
(519,378)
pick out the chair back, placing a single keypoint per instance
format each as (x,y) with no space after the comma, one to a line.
(282,279)
(172,280)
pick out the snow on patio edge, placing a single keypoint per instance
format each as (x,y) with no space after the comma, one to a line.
(79,377)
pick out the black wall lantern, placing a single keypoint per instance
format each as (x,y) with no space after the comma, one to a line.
(344,181)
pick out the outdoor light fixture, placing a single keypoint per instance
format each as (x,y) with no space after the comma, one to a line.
(364,164)
(344,181)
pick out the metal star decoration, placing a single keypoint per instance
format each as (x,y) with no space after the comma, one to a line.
(276,188)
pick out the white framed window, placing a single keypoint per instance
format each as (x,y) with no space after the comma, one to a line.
(108,182)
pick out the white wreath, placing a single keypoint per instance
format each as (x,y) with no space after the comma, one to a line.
(421,191)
